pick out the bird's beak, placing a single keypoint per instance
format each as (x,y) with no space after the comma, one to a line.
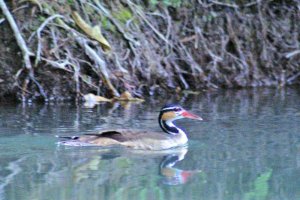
(187,114)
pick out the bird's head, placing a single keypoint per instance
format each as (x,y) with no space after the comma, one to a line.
(171,112)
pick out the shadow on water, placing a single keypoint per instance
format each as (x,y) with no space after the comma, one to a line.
(247,148)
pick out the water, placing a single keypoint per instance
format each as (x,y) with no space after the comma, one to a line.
(247,148)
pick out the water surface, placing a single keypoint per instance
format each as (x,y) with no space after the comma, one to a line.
(248,147)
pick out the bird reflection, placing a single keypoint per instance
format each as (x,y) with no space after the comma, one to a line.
(172,175)
(127,160)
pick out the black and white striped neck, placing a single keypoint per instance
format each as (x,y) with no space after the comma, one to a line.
(168,127)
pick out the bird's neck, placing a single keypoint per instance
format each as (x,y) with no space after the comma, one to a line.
(170,128)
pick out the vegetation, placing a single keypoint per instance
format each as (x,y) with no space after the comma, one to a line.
(74,47)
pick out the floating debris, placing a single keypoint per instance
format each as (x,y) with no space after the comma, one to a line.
(126,96)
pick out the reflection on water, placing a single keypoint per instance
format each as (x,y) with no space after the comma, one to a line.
(248,148)
(172,175)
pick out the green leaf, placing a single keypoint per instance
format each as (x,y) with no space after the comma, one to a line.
(261,187)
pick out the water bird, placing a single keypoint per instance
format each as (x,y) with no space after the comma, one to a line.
(140,139)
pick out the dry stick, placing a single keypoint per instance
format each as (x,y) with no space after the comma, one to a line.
(169,28)
(91,53)
(202,39)
(59,64)
(237,45)
(99,61)
(224,4)
(21,43)
(182,79)
(149,54)
(293,53)
(190,59)
(169,20)
(141,14)
(292,78)
(119,65)
(264,30)
(62,65)
(55,43)
(168,67)
(38,32)
(224,42)
(76,68)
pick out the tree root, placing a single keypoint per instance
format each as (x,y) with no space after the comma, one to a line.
(22,45)
(201,44)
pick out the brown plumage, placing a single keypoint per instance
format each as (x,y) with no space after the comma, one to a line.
(138,139)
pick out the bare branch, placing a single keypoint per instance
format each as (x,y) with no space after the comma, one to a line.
(2,20)
(38,32)
(292,54)
(224,4)
(21,42)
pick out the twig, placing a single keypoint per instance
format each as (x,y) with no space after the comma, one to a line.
(21,42)
(202,39)
(236,42)
(251,3)
(141,14)
(224,4)
(58,64)
(293,53)
(2,20)
(99,62)
(39,86)
(22,45)
(292,78)
(62,65)
(181,78)
(38,32)
(263,31)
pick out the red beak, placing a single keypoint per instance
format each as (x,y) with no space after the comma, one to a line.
(187,114)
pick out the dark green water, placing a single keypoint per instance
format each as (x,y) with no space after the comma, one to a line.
(247,148)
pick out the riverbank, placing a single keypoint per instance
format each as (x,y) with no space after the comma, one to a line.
(147,47)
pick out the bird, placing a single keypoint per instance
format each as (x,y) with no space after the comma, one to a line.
(171,137)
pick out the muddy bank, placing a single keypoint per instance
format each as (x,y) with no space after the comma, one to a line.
(147,47)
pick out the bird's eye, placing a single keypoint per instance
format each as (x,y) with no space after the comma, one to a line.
(177,109)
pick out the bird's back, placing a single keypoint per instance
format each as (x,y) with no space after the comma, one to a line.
(135,139)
